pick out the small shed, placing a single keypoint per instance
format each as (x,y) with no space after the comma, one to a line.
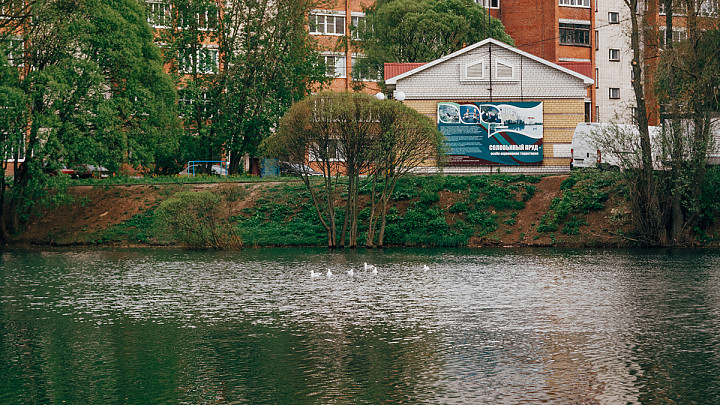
(501,109)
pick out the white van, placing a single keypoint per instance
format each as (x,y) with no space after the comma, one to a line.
(587,153)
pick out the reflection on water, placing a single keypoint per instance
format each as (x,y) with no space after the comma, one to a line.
(480,326)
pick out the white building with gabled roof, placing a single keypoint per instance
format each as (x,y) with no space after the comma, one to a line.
(500,108)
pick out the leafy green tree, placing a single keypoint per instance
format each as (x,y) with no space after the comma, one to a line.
(352,134)
(422,31)
(189,31)
(688,78)
(239,71)
(405,141)
(271,61)
(95,92)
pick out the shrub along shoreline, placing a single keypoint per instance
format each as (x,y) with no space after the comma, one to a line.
(586,208)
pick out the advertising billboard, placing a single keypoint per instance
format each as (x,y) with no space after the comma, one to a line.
(480,133)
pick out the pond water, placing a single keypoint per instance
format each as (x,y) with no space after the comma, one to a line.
(478,326)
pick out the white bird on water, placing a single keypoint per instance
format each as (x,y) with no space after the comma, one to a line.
(367,266)
(329,273)
(314,274)
(351,272)
(425,267)
(374,270)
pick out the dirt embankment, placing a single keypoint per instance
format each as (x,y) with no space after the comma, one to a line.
(96,208)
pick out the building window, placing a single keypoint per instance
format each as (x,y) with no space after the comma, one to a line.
(614,93)
(597,40)
(588,109)
(326,24)
(707,8)
(361,71)
(475,70)
(575,34)
(489,3)
(576,3)
(11,8)
(597,75)
(335,65)
(614,55)
(677,35)
(614,17)
(356,24)
(159,14)
(206,20)
(191,104)
(204,60)
(15,51)
(503,70)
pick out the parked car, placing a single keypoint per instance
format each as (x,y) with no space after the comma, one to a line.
(81,171)
(296,169)
(200,169)
(84,171)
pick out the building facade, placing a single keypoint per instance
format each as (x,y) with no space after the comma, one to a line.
(500,108)
(334,25)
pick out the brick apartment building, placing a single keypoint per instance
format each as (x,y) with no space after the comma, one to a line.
(332,23)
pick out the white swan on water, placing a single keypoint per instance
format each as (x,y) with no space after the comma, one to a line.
(351,272)
(374,270)
(367,266)
(329,273)
(425,267)
(314,274)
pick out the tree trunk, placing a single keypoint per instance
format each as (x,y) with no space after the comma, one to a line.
(647,208)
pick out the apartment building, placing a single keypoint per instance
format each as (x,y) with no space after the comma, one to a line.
(556,30)
(615,101)
(334,24)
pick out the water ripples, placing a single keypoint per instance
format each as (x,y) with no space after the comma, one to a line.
(505,326)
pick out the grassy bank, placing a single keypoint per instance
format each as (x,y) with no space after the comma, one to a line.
(586,208)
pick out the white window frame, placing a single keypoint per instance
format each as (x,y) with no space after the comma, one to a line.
(339,63)
(613,17)
(575,3)
(353,60)
(496,76)
(335,149)
(467,66)
(679,34)
(325,14)
(614,93)
(614,55)
(574,29)
(200,55)
(707,8)
(493,4)
(13,53)
(201,21)
(153,11)
(355,20)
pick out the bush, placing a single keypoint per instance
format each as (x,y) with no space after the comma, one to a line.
(194,218)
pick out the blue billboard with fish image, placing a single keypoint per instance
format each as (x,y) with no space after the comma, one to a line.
(479,133)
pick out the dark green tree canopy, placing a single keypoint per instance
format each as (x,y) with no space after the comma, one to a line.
(424,30)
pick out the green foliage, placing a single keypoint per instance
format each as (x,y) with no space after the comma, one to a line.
(572,227)
(458,207)
(583,191)
(195,219)
(140,228)
(709,204)
(422,31)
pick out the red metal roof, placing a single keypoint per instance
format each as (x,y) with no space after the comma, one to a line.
(394,69)
(584,68)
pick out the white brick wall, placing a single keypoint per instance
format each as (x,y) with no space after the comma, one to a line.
(532,79)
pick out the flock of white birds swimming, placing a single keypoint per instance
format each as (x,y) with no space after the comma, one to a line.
(367,267)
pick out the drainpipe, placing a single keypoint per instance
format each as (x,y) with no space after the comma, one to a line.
(348,52)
